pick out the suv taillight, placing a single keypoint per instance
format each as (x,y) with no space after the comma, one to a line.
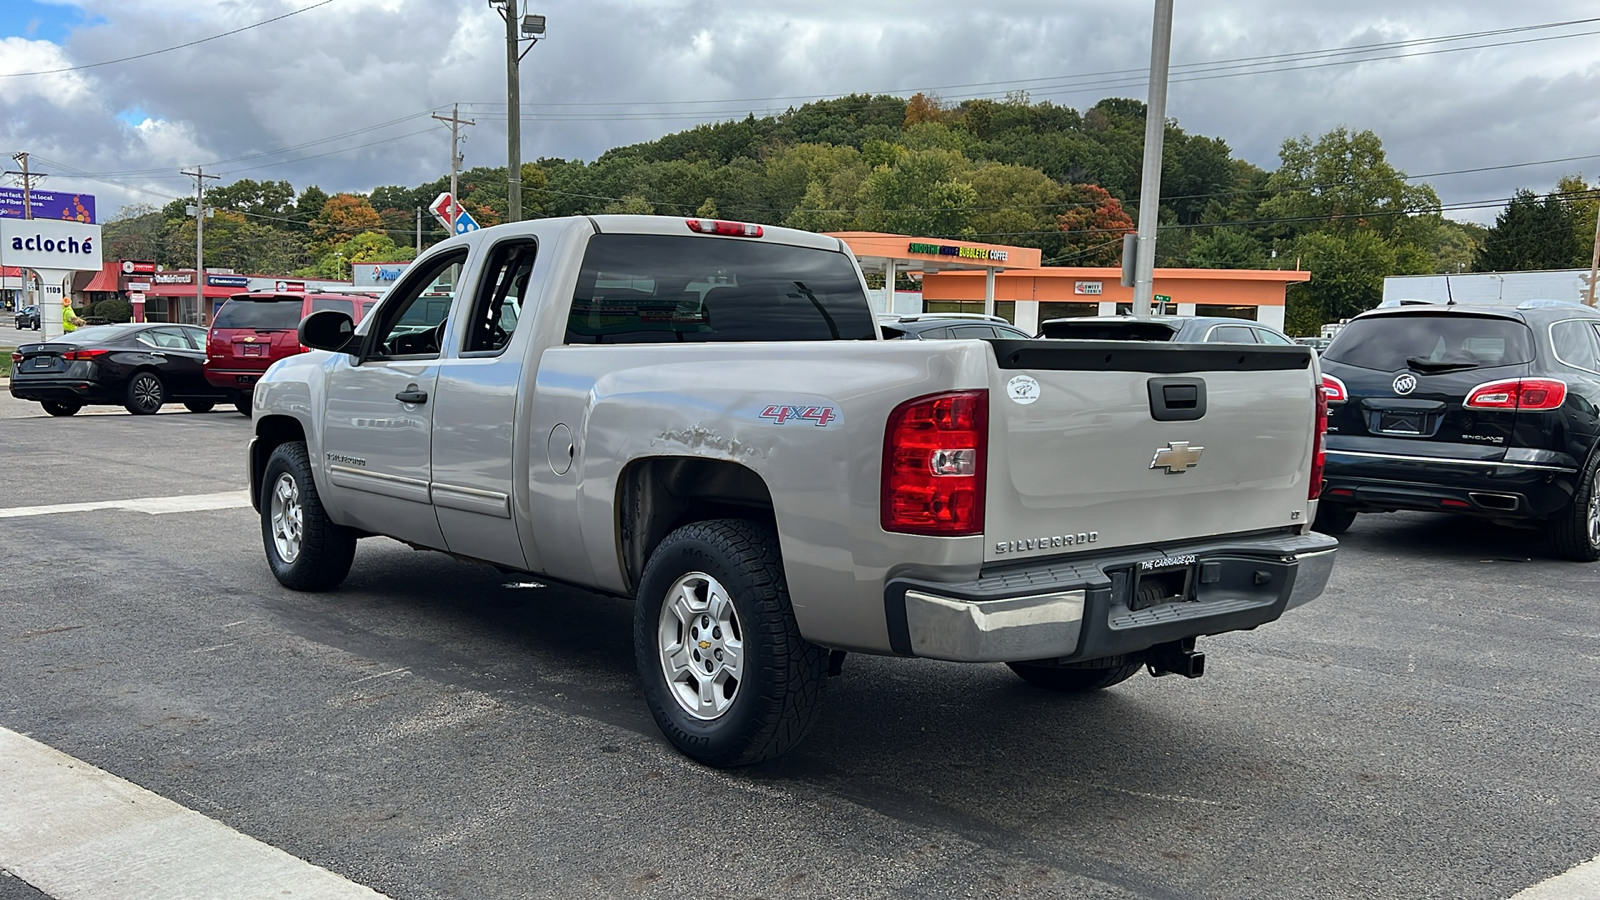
(1334,389)
(1319,441)
(933,465)
(1518,393)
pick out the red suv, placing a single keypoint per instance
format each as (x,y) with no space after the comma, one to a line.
(253,331)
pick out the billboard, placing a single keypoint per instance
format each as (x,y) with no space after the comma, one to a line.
(60,205)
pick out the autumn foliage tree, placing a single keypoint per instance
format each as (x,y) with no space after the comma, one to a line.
(1094,227)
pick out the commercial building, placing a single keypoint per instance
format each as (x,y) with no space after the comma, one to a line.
(1490,287)
(168,295)
(960,276)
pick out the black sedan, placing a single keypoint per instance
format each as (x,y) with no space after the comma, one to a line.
(28,318)
(139,367)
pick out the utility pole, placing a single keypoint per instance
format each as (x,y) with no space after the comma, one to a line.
(200,212)
(1155,132)
(419,231)
(1594,262)
(456,158)
(27,213)
(530,29)
(513,116)
(27,182)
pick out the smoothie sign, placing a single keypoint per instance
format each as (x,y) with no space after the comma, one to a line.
(959,252)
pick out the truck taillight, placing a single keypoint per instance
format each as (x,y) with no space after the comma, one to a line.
(933,465)
(1319,442)
(1334,389)
(1519,393)
(726,229)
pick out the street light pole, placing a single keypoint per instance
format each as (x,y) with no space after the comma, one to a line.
(1155,132)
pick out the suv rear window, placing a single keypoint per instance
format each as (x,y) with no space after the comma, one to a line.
(337,304)
(248,313)
(645,288)
(1387,343)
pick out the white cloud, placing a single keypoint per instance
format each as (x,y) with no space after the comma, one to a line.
(356,63)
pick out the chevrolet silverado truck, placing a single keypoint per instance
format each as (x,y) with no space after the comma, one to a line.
(703,416)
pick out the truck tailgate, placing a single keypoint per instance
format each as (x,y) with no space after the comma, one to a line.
(1095,445)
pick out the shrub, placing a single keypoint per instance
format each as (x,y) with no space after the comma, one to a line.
(114,310)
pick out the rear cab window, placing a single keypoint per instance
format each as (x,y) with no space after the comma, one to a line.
(1432,342)
(643,288)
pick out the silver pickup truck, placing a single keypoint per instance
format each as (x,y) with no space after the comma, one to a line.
(702,416)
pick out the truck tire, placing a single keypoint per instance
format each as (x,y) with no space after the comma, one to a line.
(725,671)
(145,395)
(306,550)
(1333,518)
(199,406)
(1073,681)
(242,404)
(1574,532)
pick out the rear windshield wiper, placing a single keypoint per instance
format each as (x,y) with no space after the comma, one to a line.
(1428,365)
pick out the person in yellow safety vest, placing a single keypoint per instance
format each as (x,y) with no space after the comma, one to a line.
(69,319)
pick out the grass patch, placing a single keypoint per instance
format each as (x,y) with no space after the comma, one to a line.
(5,361)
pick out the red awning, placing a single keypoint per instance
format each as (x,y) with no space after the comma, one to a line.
(105,280)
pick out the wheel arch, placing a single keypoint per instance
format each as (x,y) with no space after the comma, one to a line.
(658,494)
(271,432)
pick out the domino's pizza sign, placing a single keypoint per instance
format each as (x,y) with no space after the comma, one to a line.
(49,244)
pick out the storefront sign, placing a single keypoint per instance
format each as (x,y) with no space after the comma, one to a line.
(376,274)
(291,285)
(138,285)
(1091,288)
(59,206)
(174,278)
(237,281)
(42,244)
(959,252)
(138,267)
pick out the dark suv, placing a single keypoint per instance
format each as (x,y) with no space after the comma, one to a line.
(1484,411)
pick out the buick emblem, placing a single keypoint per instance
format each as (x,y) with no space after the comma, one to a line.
(1405,384)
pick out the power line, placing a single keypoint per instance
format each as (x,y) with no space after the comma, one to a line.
(124,59)
(1141,72)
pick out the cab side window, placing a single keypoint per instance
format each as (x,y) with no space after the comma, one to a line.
(414,316)
(1272,337)
(1231,334)
(502,291)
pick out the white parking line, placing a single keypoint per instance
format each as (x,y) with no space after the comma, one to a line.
(72,830)
(1581,882)
(153,505)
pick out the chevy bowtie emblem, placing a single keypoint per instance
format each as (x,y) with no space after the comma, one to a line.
(1177,457)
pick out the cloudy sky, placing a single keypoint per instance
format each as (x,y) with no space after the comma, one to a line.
(339,93)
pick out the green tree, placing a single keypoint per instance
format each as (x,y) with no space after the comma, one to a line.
(1226,248)
(1347,272)
(1531,233)
(1343,182)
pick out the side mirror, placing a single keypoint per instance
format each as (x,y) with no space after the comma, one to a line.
(330,330)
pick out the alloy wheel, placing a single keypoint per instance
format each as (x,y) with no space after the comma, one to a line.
(287,522)
(147,393)
(701,646)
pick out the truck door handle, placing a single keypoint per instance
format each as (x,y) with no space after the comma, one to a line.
(412,395)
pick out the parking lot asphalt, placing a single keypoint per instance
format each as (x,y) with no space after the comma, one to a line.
(438,729)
